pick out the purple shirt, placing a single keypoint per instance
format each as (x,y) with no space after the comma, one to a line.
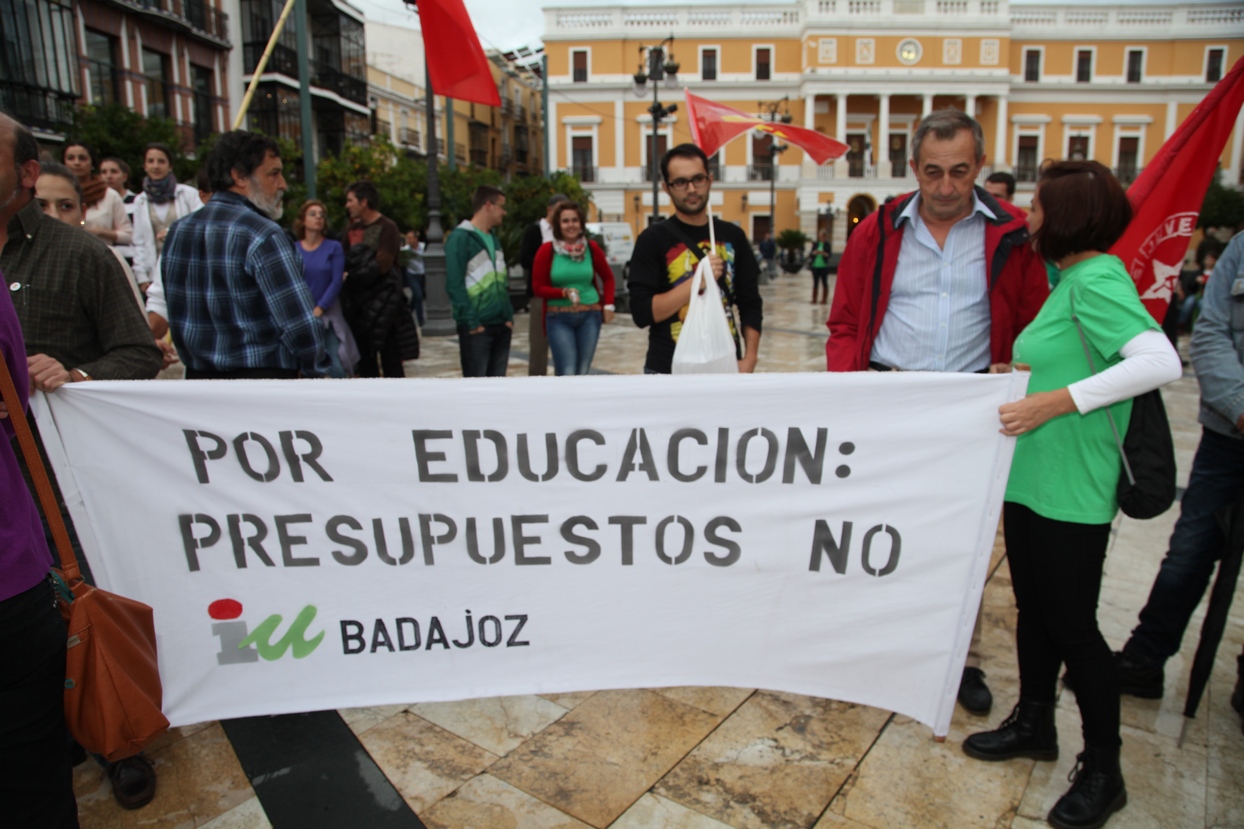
(323,269)
(24,557)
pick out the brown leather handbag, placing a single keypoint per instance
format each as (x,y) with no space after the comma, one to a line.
(112,679)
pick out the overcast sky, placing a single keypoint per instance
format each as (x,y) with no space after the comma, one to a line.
(508,24)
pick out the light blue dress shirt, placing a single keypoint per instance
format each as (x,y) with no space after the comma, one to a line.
(938,315)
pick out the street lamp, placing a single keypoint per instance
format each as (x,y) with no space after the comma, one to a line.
(770,111)
(660,67)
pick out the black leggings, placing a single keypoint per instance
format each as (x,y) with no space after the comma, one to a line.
(1056,574)
(820,276)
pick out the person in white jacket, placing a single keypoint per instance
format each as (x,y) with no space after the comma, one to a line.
(162,202)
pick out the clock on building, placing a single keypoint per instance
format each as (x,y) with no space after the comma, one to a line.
(909,51)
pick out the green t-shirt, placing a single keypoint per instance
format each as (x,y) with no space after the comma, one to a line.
(566,273)
(1068,469)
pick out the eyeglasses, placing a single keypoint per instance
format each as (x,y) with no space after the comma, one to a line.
(317,213)
(681,184)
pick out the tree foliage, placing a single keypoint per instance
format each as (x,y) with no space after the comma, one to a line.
(402,183)
(115,130)
(1223,206)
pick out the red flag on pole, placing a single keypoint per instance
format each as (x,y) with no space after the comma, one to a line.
(714,125)
(1166,198)
(457,66)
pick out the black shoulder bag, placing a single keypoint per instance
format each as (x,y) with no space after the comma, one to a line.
(1147,485)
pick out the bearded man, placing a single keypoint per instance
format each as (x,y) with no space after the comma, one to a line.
(238,305)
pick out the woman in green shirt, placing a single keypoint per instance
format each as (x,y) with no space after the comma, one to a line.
(1060,497)
(575,280)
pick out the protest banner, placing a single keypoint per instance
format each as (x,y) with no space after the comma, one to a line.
(328,544)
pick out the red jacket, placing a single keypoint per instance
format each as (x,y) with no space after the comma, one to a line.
(1018,284)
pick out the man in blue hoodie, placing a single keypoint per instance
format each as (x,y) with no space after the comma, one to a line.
(475,277)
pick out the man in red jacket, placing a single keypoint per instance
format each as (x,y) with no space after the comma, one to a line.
(941,279)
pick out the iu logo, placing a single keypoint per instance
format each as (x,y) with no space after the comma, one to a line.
(238,645)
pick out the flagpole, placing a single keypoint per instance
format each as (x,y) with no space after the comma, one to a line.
(263,64)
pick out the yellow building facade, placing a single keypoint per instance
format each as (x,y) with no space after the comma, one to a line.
(1045,81)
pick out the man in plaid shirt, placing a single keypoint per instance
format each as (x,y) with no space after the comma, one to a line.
(238,305)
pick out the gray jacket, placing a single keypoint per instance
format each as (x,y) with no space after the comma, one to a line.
(1218,343)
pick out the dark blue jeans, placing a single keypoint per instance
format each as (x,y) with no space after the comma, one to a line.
(572,339)
(487,353)
(1197,542)
(36,777)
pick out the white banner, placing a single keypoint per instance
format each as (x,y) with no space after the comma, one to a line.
(330,544)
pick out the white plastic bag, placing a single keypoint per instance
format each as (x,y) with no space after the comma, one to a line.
(705,344)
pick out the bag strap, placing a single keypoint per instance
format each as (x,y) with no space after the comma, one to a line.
(1127,467)
(43,486)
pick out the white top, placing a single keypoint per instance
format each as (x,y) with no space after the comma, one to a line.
(185,202)
(109,213)
(1149,361)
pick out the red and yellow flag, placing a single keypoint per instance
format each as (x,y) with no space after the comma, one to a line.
(714,125)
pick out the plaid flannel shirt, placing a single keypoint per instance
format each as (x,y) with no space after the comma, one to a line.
(74,300)
(236,294)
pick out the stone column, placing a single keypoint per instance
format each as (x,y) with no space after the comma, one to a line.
(999,140)
(927,107)
(882,152)
(969,105)
(840,133)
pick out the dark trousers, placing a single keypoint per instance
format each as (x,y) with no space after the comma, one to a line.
(390,356)
(1056,574)
(36,777)
(487,353)
(242,374)
(1196,543)
(537,339)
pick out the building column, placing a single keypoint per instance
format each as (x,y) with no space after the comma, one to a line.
(999,140)
(969,105)
(809,122)
(840,133)
(881,153)
(927,107)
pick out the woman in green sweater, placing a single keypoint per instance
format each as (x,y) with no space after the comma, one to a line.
(565,274)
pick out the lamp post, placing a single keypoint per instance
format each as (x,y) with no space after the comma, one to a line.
(439,321)
(770,111)
(660,67)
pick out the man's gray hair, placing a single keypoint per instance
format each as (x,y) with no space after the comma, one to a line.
(945,124)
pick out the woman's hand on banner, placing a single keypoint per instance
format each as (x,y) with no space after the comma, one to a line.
(1034,410)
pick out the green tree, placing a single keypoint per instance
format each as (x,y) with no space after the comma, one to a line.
(1223,206)
(115,130)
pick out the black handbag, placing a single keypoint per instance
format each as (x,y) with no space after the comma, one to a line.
(1147,483)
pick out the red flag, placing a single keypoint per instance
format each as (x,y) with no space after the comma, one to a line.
(1166,198)
(713,125)
(457,66)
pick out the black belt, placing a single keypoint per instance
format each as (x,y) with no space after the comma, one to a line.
(875,366)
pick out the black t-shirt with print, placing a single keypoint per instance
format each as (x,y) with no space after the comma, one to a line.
(661,260)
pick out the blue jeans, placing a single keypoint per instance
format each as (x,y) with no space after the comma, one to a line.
(572,339)
(332,344)
(487,353)
(1197,542)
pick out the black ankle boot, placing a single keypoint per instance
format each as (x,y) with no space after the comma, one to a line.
(1028,732)
(1096,792)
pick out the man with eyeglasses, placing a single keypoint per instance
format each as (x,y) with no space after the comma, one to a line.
(665,258)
